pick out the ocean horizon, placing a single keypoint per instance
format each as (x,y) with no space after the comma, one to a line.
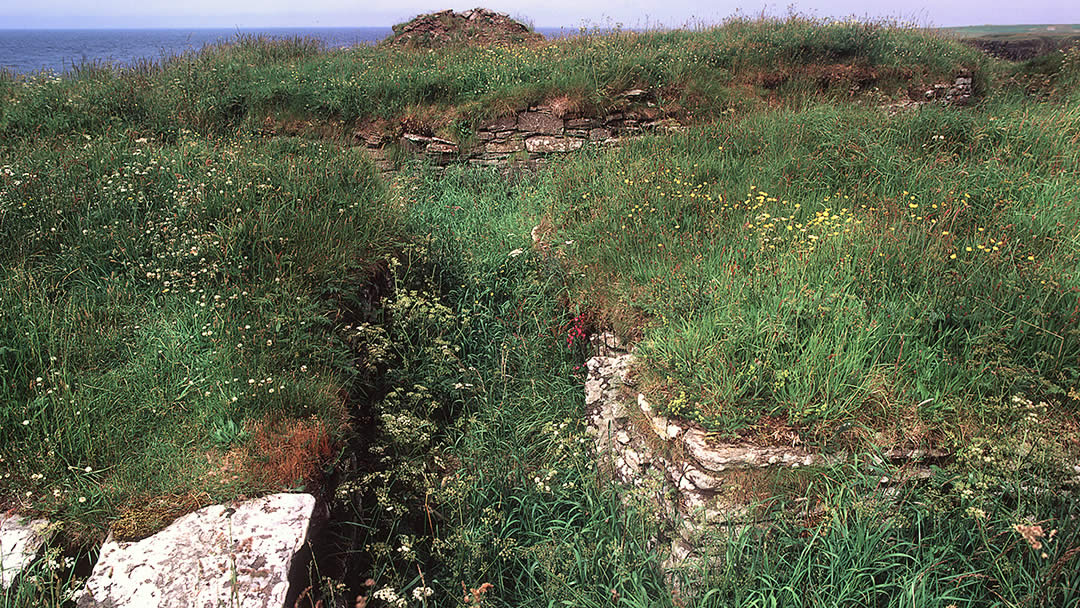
(27,51)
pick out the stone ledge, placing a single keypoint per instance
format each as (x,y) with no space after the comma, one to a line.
(691,481)
(217,556)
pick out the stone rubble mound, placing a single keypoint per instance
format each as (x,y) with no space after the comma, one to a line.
(478,26)
(959,94)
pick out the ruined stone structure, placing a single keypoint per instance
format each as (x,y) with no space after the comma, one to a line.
(525,138)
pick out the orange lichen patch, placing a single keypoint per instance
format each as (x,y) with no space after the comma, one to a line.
(287,452)
(279,454)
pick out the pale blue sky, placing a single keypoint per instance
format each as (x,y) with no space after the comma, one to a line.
(543,13)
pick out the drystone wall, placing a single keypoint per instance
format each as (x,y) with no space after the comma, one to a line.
(525,138)
(690,479)
(698,487)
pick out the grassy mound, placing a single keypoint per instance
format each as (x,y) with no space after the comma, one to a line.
(234,88)
(166,305)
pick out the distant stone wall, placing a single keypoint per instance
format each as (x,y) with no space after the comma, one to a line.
(527,137)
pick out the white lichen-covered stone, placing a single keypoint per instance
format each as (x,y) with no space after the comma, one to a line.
(686,485)
(221,555)
(20,541)
(643,403)
(717,457)
(701,480)
(660,424)
(594,391)
(545,144)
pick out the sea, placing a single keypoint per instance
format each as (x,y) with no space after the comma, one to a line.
(28,51)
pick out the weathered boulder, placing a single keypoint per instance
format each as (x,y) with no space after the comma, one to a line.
(221,555)
(20,541)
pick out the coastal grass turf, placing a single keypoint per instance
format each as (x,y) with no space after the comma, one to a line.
(190,312)
(517,504)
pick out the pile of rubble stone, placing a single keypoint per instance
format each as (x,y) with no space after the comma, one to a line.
(478,26)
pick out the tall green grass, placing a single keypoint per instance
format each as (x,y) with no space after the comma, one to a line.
(518,503)
(156,297)
(830,267)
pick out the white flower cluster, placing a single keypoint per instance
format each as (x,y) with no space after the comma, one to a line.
(406,549)
(391,597)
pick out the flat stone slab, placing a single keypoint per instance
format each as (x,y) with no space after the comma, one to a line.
(20,541)
(539,122)
(221,555)
(544,144)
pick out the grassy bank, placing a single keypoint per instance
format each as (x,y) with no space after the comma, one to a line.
(833,267)
(235,87)
(195,310)
(164,305)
